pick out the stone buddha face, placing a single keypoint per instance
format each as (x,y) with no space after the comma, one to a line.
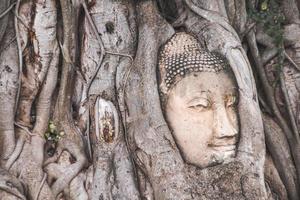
(199,100)
(201,111)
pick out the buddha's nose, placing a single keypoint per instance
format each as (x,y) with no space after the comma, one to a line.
(222,126)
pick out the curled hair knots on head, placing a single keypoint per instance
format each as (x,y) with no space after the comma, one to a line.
(181,55)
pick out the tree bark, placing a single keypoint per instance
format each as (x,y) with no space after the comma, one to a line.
(81,116)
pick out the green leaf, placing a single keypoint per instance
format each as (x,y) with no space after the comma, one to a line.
(264,5)
(52,127)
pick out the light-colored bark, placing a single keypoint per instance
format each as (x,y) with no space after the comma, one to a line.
(113,174)
(8,89)
(99,86)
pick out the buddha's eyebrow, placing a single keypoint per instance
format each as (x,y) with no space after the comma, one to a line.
(203,93)
(234,89)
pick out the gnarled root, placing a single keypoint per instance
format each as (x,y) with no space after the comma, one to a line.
(69,172)
(8,90)
(11,185)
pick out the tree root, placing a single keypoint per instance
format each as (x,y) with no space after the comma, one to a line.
(212,17)
(84,122)
(288,103)
(94,28)
(83,111)
(7,10)
(40,187)
(16,153)
(280,152)
(4,19)
(25,129)
(38,84)
(11,184)
(72,142)
(293,139)
(8,87)
(10,190)
(55,171)
(268,54)
(20,55)
(291,61)
(69,173)
(77,188)
(65,175)
(102,49)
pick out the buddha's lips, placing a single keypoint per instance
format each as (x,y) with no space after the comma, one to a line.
(224,147)
(223,142)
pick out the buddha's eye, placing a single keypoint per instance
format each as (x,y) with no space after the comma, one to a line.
(199,104)
(231,101)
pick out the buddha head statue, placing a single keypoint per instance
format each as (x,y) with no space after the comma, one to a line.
(199,99)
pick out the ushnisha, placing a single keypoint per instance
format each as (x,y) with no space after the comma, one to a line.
(183,54)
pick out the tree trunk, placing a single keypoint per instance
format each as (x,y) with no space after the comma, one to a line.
(81,113)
